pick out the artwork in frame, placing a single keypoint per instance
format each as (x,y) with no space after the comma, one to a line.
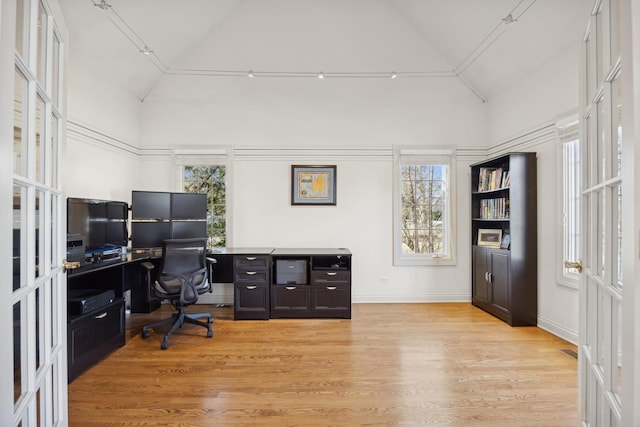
(489,237)
(313,185)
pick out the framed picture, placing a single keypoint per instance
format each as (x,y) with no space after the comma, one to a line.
(313,185)
(489,237)
(506,241)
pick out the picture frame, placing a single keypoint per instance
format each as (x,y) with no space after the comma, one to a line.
(506,241)
(313,185)
(489,237)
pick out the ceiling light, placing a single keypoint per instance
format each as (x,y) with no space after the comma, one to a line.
(393,75)
(321,75)
(146,51)
(103,5)
(250,74)
(509,19)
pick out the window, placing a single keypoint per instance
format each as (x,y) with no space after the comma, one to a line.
(424,220)
(569,157)
(207,173)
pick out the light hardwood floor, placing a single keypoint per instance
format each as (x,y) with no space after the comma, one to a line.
(391,364)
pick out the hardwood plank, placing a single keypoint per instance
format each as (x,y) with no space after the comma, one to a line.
(411,364)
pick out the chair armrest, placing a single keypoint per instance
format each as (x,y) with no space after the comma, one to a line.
(210,262)
(147,265)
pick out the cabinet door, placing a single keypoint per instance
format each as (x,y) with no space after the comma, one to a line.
(290,301)
(251,302)
(500,281)
(480,285)
(331,300)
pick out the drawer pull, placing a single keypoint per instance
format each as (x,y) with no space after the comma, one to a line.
(250,273)
(251,258)
(290,288)
(331,273)
(332,288)
(251,287)
(101,316)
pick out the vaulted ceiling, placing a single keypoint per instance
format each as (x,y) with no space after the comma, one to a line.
(476,48)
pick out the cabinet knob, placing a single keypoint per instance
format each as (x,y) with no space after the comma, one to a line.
(331,273)
(251,287)
(332,288)
(250,273)
(101,316)
(290,288)
(251,258)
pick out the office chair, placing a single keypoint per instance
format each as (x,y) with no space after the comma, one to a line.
(181,278)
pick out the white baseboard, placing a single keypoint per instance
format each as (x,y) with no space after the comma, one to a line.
(557,330)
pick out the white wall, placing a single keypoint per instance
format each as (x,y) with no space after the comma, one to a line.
(102,135)
(541,98)
(268,135)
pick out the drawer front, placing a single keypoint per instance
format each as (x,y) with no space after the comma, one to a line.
(251,302)
(330,277)
(331,301)
(292,297)
(253,262)
(251,276)
(93,330)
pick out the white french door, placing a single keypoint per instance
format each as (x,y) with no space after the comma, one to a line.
(32,138)
(607,288)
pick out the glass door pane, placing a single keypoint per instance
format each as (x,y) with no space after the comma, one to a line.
(20,129)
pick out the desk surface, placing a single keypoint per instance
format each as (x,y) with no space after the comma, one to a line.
(241,251)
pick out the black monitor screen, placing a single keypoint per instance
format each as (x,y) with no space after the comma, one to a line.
(188,206)
(149,234)
(102,223)
(188,229)
(150,205)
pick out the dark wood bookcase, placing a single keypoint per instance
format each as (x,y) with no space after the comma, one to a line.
(504,238)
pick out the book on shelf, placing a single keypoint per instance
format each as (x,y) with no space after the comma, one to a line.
(494,208)
(492,179)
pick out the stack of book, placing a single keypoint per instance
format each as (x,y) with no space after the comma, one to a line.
(493,179)
(494,208)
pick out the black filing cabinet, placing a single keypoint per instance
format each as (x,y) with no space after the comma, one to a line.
(251,286)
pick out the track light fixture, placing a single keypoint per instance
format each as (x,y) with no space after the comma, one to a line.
(103,5)
(509,19)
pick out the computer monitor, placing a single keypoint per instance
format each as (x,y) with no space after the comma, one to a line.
(102,223)
(149,234)
(188,229)
(188,206)
(150,205)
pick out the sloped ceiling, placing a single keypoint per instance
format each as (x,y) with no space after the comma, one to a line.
(203,49)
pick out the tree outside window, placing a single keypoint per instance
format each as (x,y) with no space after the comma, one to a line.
(210,180)
(423,207)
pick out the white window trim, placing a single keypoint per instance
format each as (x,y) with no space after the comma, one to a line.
(222,155)
(571,279)
(446,155)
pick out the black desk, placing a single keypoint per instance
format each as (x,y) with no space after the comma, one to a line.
(92,335)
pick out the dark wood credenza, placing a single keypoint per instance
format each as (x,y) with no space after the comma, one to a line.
(287,282)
